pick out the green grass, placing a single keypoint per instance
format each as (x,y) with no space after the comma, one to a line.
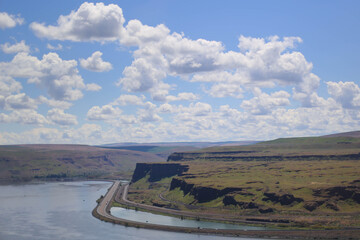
(283,149)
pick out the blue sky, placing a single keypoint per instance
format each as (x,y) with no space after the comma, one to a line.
(149,71)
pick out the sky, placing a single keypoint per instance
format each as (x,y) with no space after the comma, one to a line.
(168,71)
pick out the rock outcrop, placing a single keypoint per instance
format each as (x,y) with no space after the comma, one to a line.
(157,171)
(230,200)
(283,199)
(200,193)
(339,193)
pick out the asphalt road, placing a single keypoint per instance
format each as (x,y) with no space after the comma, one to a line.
(104,206)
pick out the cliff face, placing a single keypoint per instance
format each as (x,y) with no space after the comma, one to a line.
(201,194)
(243,156)
(157,171)
(327,197)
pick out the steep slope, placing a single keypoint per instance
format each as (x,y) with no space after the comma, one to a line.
(25,162)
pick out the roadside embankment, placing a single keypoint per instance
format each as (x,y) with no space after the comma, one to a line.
(119,192)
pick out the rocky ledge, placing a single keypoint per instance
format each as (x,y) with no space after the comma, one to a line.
(157,171)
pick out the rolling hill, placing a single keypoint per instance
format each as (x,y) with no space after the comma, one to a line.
(26,162)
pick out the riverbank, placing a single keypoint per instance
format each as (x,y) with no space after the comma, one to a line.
(119,192)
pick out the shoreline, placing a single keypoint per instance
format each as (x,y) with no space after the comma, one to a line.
(118,192)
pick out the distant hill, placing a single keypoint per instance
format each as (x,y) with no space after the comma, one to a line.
(354,134)
(164,149)
(337,146)
(26,162)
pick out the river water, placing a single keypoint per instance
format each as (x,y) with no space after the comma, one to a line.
(62,210)
(146,217)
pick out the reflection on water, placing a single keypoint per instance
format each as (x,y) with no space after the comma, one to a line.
(146,217)
(62,210)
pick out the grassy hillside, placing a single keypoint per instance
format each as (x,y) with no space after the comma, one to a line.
(311,182)
(346,148)
(25,162)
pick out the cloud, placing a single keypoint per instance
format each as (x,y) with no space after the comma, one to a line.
(91,22)
(345,93)
(136,33)
(95,63)
(111,115)
(24,116)
(264,103)
(59,77)
(57,47)
(171,54)
(105,112)
(259,62)
(15,48)
(85,134)
(195,110)
(57,116)
(9,21)
(8,85)
(93,87)
(184,96)
(127,99)
(141,76)
(148,114)
(221,90)
(166,108)
(54,103)
(20,101)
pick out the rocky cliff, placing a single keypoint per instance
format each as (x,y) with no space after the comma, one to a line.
(157,171)
(246,156)
(200,193)
(328,197)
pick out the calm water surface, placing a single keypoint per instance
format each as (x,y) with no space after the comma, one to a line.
(62,210)
(146,217)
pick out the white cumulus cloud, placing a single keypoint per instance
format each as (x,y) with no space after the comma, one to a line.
(54,103)
(15,48)
(9,21)
(91,22)
(24,116)
(95,63)
(58,116)
(93,87)
(59,77)
(105,112)
(20,101)
(345,93)
(127,99)
(264,103)
(57,47)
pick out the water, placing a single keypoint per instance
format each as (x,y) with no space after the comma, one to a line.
(146,217)
(62,210)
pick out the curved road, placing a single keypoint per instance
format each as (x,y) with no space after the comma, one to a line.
(104,207)
(102,211)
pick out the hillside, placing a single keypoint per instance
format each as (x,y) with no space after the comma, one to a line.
(308,182)
(164,149)
(26,162)
(306,148)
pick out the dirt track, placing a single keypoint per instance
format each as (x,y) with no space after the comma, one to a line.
(102,212)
